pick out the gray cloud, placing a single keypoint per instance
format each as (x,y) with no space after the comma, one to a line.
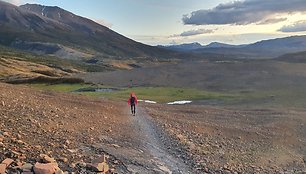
(244,12)
(196,32)
(272,21)
(296,27)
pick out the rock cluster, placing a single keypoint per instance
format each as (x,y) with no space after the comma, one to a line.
(48,165)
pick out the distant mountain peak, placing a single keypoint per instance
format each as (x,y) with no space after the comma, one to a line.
(219,45)
(193,43)
(184,47)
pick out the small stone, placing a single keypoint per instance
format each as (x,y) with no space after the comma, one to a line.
(27,167)
(20,142)
(38,147)
(115,145)
(18,163)
(6,134)
(22,156)
(46,159)
(82,164)
(67,142)
(63,159)
(64,146)
(13,153)
(72,165)
(180,137)
(72,150)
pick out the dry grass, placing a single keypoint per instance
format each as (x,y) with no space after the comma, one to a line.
(13,69)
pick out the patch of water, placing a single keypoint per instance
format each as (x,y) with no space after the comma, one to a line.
(97,90)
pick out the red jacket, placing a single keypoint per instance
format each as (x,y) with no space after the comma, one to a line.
(133,95)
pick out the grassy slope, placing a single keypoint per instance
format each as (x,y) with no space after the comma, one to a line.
(243,99)
(19,66)
(159,94)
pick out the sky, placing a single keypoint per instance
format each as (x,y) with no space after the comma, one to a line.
(165,22)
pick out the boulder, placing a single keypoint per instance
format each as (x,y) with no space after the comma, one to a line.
(2,168)
(7,162)
(49,168)
(98,167)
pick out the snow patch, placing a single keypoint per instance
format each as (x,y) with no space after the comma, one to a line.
(149,101)
(179,102)
(42,11)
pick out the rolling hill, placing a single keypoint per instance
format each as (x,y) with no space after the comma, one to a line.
(299,57)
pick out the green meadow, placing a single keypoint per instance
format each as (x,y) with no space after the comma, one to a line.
(158,94)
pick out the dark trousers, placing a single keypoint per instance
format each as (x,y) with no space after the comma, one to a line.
(133,108)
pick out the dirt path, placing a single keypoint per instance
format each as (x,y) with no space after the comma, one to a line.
(160,157)
(145,152)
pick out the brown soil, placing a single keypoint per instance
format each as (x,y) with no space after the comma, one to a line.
(159,139)
(57,124)
(242,141)
(80,129)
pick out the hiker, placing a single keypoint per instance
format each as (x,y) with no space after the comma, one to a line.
(133,102)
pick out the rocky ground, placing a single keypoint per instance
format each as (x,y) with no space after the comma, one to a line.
(48,132)
(220,140)
(62,126)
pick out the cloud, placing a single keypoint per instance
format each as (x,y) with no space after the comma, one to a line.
(295,27)
(272,21)
(192,33)
(104,23)
(244,12)
(196,32)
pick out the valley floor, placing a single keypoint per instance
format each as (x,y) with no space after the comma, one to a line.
(75,130)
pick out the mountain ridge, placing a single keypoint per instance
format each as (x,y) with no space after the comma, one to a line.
(26,23)
(270,48)
(196,45)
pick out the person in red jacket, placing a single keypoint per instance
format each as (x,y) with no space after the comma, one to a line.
(133,102)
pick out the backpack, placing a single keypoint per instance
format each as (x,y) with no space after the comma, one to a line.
(132,100)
